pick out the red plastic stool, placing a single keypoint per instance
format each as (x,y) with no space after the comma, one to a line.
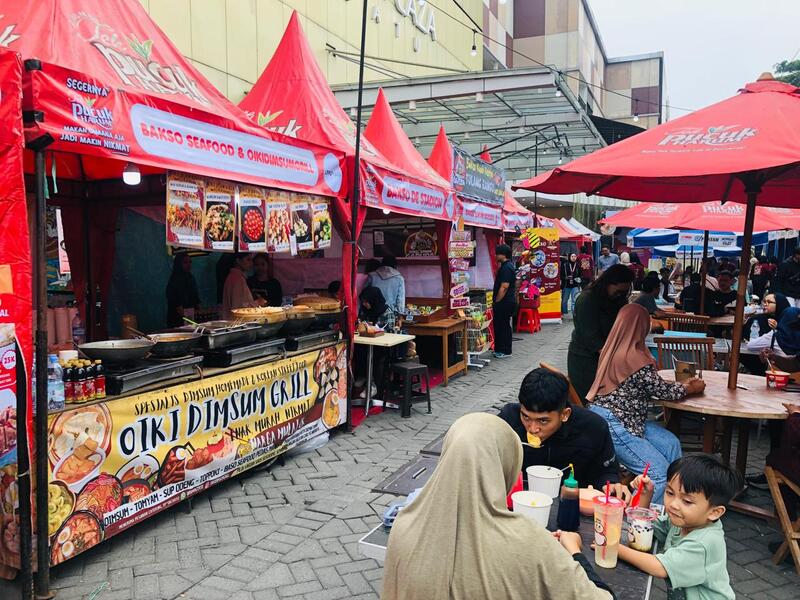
(528,320)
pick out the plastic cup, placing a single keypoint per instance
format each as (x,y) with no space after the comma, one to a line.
(534,505)
(607,530)
(640,527)
(544,479)
(777,379)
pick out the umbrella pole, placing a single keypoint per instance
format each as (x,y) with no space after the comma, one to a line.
(703,274)
(752,195)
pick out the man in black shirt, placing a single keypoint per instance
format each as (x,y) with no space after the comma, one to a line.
(564,434)
(504,301)
(689,299)
(720,298)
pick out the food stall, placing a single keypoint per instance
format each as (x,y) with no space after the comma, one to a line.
(189,409)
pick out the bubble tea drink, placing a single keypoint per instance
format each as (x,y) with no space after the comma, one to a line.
(640,527)
(607,530)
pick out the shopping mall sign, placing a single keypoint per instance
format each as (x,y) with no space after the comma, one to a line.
(420,13)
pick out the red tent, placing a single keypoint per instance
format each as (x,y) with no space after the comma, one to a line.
(107,87)
(705,216)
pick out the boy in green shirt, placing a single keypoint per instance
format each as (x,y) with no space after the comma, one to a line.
(694,556)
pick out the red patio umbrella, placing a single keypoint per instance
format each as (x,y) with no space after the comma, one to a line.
(744,149)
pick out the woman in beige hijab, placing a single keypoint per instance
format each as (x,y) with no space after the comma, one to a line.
(458,540)
(625,384)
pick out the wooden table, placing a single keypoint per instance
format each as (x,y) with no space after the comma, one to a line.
(387,340)
(444,328)
(723,321)
(751,400)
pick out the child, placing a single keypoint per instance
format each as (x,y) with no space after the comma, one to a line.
(690,535)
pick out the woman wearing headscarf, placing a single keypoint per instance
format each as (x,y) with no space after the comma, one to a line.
(182,296)
(626,382)
(458,540)
(374,310)
(765,324)
(594,315)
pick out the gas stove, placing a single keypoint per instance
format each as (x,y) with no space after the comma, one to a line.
(121,379)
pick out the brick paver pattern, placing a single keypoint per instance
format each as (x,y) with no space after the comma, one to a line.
(292,531)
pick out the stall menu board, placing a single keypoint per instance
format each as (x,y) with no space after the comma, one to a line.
(460,249)
(118,462)
(251,219)
(406,243)
(185,210)
(301,225)
(477,179)
(220,215)
(540,264)
(212,214)
(321,224)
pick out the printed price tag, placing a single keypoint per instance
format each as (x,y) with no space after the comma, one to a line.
(459,290)
(461,302)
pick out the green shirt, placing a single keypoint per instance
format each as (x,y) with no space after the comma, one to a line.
(695,563)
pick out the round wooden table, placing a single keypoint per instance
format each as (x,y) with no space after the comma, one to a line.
(751,400)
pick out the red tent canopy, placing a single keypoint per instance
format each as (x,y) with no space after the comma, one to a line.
(110,87)
(703,156)
(705,216)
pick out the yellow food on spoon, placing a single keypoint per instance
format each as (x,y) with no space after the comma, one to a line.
(534,441)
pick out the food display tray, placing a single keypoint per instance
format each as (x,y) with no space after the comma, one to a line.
(227,357)
(125,379)
(223,334)
(310,340)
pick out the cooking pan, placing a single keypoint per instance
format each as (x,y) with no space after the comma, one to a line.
(173,344)
(117,351)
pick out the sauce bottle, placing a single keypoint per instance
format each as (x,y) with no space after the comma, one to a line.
(99,380)
(80,383)
(88,385)
(569,516)
(69,386)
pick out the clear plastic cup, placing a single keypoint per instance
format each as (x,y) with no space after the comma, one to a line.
(640,527)
(607,530)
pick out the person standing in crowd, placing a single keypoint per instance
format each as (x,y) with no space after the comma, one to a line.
(607,259)
(626,382)
(182,296)
(759,275)
(594,315)
(687,275)
(638,271)
(788,278)
(586,265)
(570,283)
(689,299)
(503,301)
(666,284)
(263,284)
(722,296)
(391,284)
(625,259)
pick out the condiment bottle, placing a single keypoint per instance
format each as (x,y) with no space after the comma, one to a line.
(69,385)
(79,383)
(99,380)
(569,516)
(88,385)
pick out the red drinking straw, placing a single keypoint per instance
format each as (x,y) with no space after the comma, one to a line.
(635,499)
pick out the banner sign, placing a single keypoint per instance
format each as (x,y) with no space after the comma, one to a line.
(400,194)
(715,240)
(481,215)
(478,180)
(541,266)
(16,302)
(209,213)
(118,462)
(89,116)
(461,249)
(402,243)
(515,221)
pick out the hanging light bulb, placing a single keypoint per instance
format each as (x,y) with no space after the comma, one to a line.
(353,112)
(636,111)
(386,211)
(416,141)
(636,117)
(474,51)
(466,135)
(560,159)
(412,105)
(478,96)
(131,174)
(558,93)
(521,130)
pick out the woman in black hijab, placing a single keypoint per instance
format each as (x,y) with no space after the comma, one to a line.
(182,296)
(374,309)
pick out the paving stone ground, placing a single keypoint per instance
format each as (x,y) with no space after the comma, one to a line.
(292,532)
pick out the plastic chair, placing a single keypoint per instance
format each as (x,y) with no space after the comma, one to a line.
(528,318)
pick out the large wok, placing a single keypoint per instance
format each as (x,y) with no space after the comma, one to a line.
(117,352)
(173,344)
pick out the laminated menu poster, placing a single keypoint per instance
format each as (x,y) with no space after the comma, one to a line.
(301,224)
(220,215)
(540,264)
(251,219)
(185,210)
(321,224)
(8,395)
(278,223)
(114,464)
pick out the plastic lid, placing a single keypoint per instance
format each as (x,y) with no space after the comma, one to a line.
(570,481)
(53,358)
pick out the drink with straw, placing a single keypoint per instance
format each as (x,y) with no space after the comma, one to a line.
(608,512)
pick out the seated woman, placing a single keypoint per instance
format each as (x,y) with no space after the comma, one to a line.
(373,310)
(626,381)
(457,539)
(767,322)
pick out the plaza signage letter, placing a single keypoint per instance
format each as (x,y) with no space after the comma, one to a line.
(421,14)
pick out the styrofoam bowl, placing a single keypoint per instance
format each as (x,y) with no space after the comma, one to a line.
(544,479)
(534,505)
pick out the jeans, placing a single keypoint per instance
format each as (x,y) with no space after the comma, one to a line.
(566,295)
(658,447)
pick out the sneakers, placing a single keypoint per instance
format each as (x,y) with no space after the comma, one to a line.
(501,355)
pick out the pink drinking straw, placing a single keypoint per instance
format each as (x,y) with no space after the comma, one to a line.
(605,519)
